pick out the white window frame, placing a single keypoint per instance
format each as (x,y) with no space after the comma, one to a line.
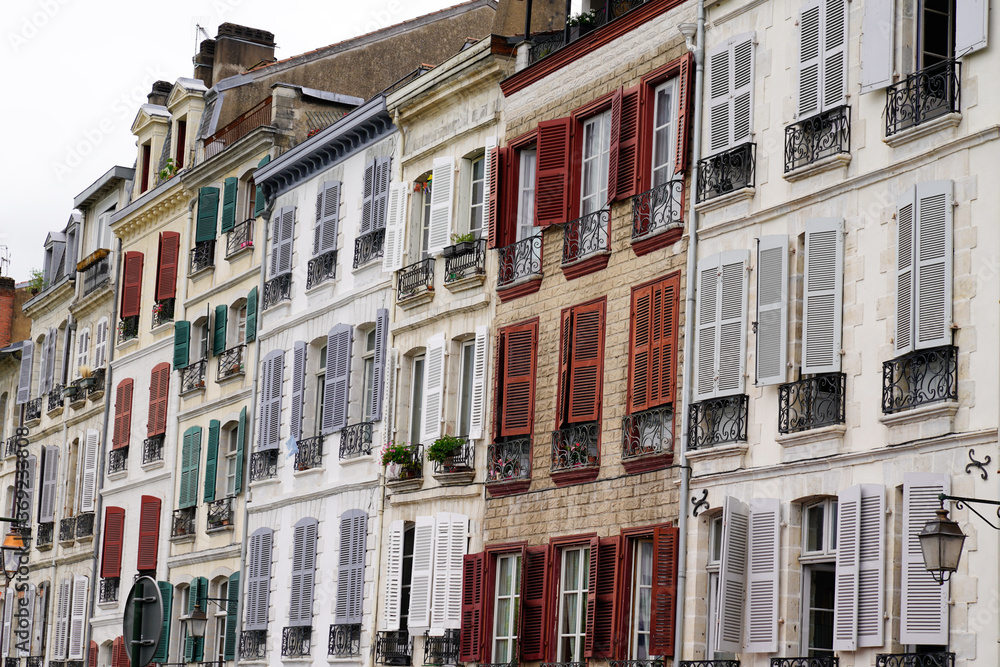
(510,640)
(807,572)
(580,590)
(637,587)
(220,622)
(416,401)
(232,445)
(477,205)
(368,374)
(596,197)
(467,367)
(527,164)
(713,567)
(425,218)
(320,389)
(828,552)
(666,132)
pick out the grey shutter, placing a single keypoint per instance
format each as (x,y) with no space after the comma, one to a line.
(367,201)
(442,200)
(101,347)
(809,58)
(298,386)
(29,488)
(336,392)
(732,575)
(905,240)
(52,341)
(762,576)
(719,116)
(60,633)
(923,602)
(972,18)
(731,357)
(389,418)
(270,405)
(82,351)
(43,366)
(259,578)
(327,217)
(934,251)
(378,370)
(380,195)
(845,604)
(58,251)
(834,53)
(24,639)
(24,378)
(871,566)
(78,618)
(50,478)
(88,489)
(876,44)
(707,323)
(303,572)
(822,306)
(351,567)
(393,575)
(742,91)
(282,240)
(772,309)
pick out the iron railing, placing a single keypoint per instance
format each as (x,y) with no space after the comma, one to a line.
(128,328)
(919,378)
(415,279)
(520,260)
(257,116)
(34,661)
(356,440)
(152,449)
(118,460)
(466,264)
(658,209)
(230,363)
(462,460)
(263,465)
(575,446)
(509,460)
(321,269)
(654,662)
(648,433)
(109,589)
(253,644)
(33,409)
(193,376)
(727,172)
(586,236)
(85,524)
(818,137)
(75,392)
(45,534)
(55,400)
(412,468)
(811,403)
(163,312)
(708,663)
(296,641)
(564,664)
(184,522)
(812,661)
(310,454)
(221,512)
(613,9)
(96,275)
(935,659)
(369,247)
(442,650)
(393,648)
(717,421)
(99,377)
(277,289)
(922,96)
(345,640)
(202,256)
(67,529)
(240,237)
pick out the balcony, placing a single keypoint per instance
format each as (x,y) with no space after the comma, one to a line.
(55,400)
(184,522)
(33,410)
(575,453)
(277,289)
(163,312)
(637,663)
(239,238)
(193,376)
(43,538)
(727,172)
(321,269)
(230,363)
(34,661)
(920,378)
(459,468)
(345,641)
(409,474)
(658,210)
(415,282)
(263,465)
(442,650)
(648,439)
(356,440)
(465,265)
(829,661)
(935,659)
(564,664)
(247,122)
(812,403)
(118,460)
(393,648)
(923,96)
(369,247)
(718,421)
(508,465)
(221,513)
(585,24)
(152,449)
(10,447)
(67,530)
(97,384)
(817,138)
(310,454)
(128,329)
(202,256)
(586,243)
(253,644)
(109,589)
(520,260)
(296,641)
(96,273)
(708,663)
(85,525)
(76,393)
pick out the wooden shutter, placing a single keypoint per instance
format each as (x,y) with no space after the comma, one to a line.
(251,328)
(877,23)
(114,538)
(586,362)
(845,606)
(327,217)
(923,602)
(88,489)
(433,389)
(627,147)
(219,330)
(282,240)
(50,478)
(934,252)
(393,575)
(182,344)
(82,351)
(501,201)
(730,84)
(389,424)
(92,653)
(270,402)
(653,344)
(534,592)
(232,616)
(49,362)
(118,656)
(337,392)
(229,188)
(491,180)
(685,113)
(422,572)
(450,540)
(810,57)
(194,647)
(367,198)
(149,533)
(762,576)
(743,80)
(78,618)
(123,413)
(473,594)
(834,53)
(615,143)
(719,95)
(592,572)
(707,327)
(159,395)
(518,386)
(607,595)
(163,646)
(131,284)
(380,195)
(208,213)
(732,575)
(190,458)
(442,204)
(166,271)
(60,633)
(29,465)
(24,376)
(871,561)
(772,305)
(101,347)
(351,567)
(552,172)
(378,363)
(259,578)
(241,436)
(478,401)
(906,232)
(43,365)
(298,388)
(971,22)
(822,305)
(663,613)
(395,229)
(303,572)
(212,459)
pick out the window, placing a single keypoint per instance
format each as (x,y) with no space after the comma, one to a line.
(203,335)
(468,368)
(653,344)
(819,540)
(145,157)
(665,104)
(581,360)
(368,375)
(249,199)
(515,401)
(320,388)
(822,56)
(3,416)
(181,144)
(425,219)
(477,195)
(241,325)
(416,397)
(526,194)
(102,230)
(220,622)
(730,87)
(594,158)
(407,576)
(506,621)
(572,618)
(721,334)
(714,558)
(937,32)
(232,444)
(642,598)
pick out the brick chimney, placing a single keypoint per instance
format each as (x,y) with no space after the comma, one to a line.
(236,49)
(6,311)
(160,92)
(203,61)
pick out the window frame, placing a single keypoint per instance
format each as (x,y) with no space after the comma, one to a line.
(579,118)
(558,563)
(466,366)
(712,568)
(416,403)
(512,639)
(671,129)
(602,157)
(320,389)
(828,552)
(479,158)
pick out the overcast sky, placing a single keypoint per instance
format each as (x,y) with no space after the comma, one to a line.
(77,66)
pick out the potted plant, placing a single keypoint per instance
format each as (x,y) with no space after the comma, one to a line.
(400,457)
(444,450)
(36,281)
(87,377)
(460,244)
(583,22)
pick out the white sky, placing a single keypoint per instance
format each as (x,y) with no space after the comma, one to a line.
(78,70)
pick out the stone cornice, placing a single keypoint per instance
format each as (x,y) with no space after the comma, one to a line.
(151,209)
(52,299)
(217,166)
(102,296)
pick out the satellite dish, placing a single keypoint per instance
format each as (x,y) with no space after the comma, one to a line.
(143,621)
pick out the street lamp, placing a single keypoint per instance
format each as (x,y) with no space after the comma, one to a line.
(941,543)
(196,623)
(12,543)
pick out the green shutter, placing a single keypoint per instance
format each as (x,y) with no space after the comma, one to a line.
(264,160)
(163,647)
(190,456)
(231,615)
(182,344)
(251,333)
(241,436)
(219,335)
(199,646)
(261,202)
(212,459)
(229,204)
(208,213)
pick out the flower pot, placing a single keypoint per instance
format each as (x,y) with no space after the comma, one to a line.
(450,251)
(87,383)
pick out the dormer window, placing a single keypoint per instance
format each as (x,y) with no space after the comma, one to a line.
(180,150)
(146,153)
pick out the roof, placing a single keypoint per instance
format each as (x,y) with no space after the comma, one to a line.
(98,188)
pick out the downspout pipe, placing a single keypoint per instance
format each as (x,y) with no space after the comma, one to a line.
(687,378)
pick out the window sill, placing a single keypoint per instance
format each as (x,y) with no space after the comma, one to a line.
(510,488)
(162,327)
(44,547)
(181,539)
(375,261)
(927,421)
(647,463)
(596,262)
(124,345)
(662,239)
(33,422)
(265,482)
(464,284)
(829,163)
(576,475)
(718,451)
(152,465)
(458,478)
(356,459)
(55,412)
(523,287)
(822,434)
(67,543)
(239,375)
(190,392)
(108,605)
(96,395)
(307,472)
(85,539)
(924,129)
(736,196)
(239,253)
(220,529)
(419,299)
(197,276)
(115,476)
(78,403)
(404,485)
(274,309)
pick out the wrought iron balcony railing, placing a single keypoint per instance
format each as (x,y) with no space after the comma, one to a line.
(321,269)
(277,289)
(654,662)
(55,400)
(817,137)
(310,454)
(412,468)
(415,279)
(920,378)
(813,661)
(240,237)
(163,312)
(75,392)
(613,9)
(811,403)
(184,522)
(97,387)
(296,641)
(717,421)
(10,447)
(575,446)
(152,449)
(922,96)
(508,460)
(462,460)
(587,236)
(118,460)
(369,247)
(263,465)
(466,264)
(221,512)
(253,644)
(96,275)
(33,409)
(230,363)
(345,641)
(658,209)
(708,663)
(648,433)
(202,256)
(109,589)
(442,650)
(393,648)
(128,328)
(85,525)
(34,661)
(727,172)
(67,529)
(193,376)
(520,260)
(45,534)
(356,440)
(935,659)
(257,116)
(564,664)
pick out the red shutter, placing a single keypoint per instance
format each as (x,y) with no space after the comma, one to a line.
(586,359)
(166,265)
(661,637)
(510,192)
(639,347)
(616,123)
(534,586)
(131,284)
(159,384)
(607,612)
(552,172)
(628,144)
(473,578)
(123,414)
(663,340)
(495,157)
(93,654)
(149,533)
(685,83)
(565,348)
(592,573)
(519,378)
(114,537)
(119,656)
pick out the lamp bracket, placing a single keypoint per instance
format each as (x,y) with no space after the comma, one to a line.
(962,503)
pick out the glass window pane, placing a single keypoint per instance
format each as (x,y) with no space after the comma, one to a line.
(814,528)
(417,400)
(465,403)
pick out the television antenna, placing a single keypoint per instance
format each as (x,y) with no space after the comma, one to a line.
(4,260)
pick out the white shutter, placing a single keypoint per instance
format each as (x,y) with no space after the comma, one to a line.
(88,489)
(488,176)
(934,264)
(845,604)
(327,218)
(395,229)
(762,576)
(923,602)
(731,356)
(389,416)
(42,604)
(478,408)
(442,199)
(809,57)
(772,304)
(707,333)
(450,541)
(871,566)
(52,340)
(393,575)
(421,577)
(101,346)
(78,619)
(43,366)
(82,351)
(719,87)
(742,102)
(61,630)
(876,44)
(24,378)
(822,306)
(834,53)
(9,600)
(50,478)
(24,640)
(972,18)
(732,575)
(298,387)
(430,430)
(905,238)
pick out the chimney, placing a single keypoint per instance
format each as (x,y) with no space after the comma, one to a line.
(238,48)
(6,310)
(160,92)
(204,61)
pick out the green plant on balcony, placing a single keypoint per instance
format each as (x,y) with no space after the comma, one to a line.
(169,170)
(444,448)
(36,281)
(400,456)
(585,20)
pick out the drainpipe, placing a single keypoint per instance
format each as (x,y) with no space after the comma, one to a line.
(688,371)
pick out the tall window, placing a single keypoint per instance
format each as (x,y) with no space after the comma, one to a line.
(249,199)
(369,374)
(642,599)
(320,389)
(416,398)
(404,589)
(508,604)
(231,440)
(714,561)
(181,145)
(241,325)
(102,230)
(526,200)
(3,416)
(819,553)
(477,195)
(425,220)
(465,387)
(146,154)
(596,151)
(937,31)
(664,131)
(220,623)
(572,629)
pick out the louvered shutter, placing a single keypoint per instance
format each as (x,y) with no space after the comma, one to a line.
(123,413)
(367,198)
(719,107)
(395,230)
(707,331)
(337,392)
(9,601)
(450,540)
(208,213)
(251,328)
(423,570)
(194,650)
(92,654)
(971,22)
(351,567)
(182,344)
(743,80)
(119,658)
(772,304)
(166,273)
(731,357)
(232,616)
(270,406)
(51,342)
(663,612)
(564,379)
(298,388)
(229,188)
(78,618)
(163,646)
(592,571)
(50,478)
(259,202)
(685,113)
(388,426)
(822,305)
(42,610)
(25,632)
(430,430)
(730,82)
(615,144)
(473,592)
(24,376)
(732,575)
(906,232)
(219,330)
(552,172)
(442,203)
(380,195)
(88,490)
(518,387)
(82,350)
(114,538)
(393,575)
(871,575)
(934,252)
(491,179)
(43,366)
(212,459)
(877,22)
(327,217)
(762,576)
(60,633)
(834,53)
(378,362)
(259,578)
(282,240)
(663,340)
(159,394)
(131,284)
(303,572)
(534,589)
(586,359)
(923,602)
(477,418)
(190,457)
(241,436)
(627,148)
(101,344)
(810,45)
(607,611)
(29,465)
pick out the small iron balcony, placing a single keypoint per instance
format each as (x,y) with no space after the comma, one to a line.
(184,522)
(310,454)
(575,446)
(263,465)
(152,449)
(67,529)
(520,260)
(923,96)
(118,460)
(193,376)
(508,460)
(277,289)
(55,399)
(814,661)
(85,525)
(811,403)
(109,589)
(345,641)
(415,279)
(96,274)
(369,247)
(717,421)
(33,409)
(202,256)
(585,24)
(393,648)
(648,433)
(442,650)
(230,363)
(936,659)
(658,210)
(356,440)
(920,378)
(128,328)
(253,644)
(163,312)
(727,172)
(239,238)
(467,260)
(708,663)
(462,460)
(817,137)
(296,641)
(97,381)
(412,468)
(45,534)
(321,269)
(587,236)
(221,512)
